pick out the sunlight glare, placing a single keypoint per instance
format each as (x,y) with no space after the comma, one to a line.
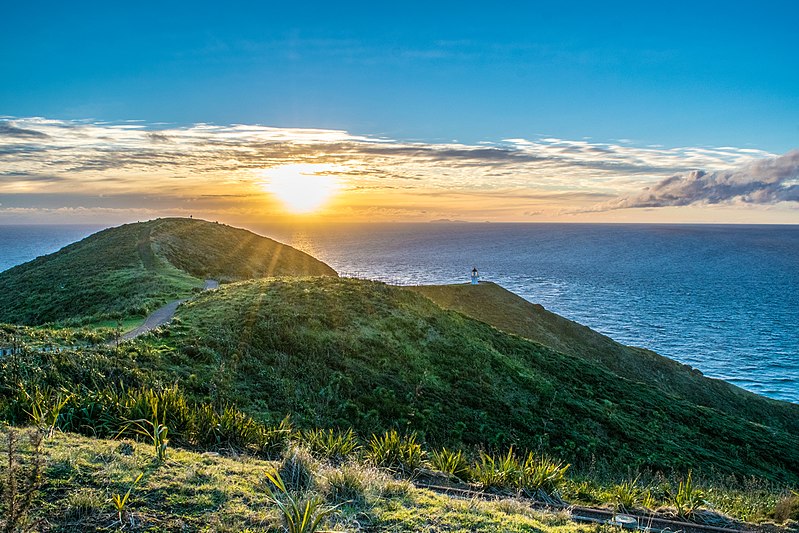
(302,187)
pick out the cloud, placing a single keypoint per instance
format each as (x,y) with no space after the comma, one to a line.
(8,129)
(101,164)
(766,181)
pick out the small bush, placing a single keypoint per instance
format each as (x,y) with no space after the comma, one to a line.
(20,481)
(401,454)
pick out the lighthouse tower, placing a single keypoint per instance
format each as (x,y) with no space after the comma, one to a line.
(475,276)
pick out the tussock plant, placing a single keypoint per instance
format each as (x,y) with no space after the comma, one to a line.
(330,444)
(541,475)
(154,431)
(688,499)
(787,508)
(396,453)
(273,441)
(627,495)
(297,469)
(346,485)
(497,472)
(298,516)
(453,463)
(44,406)
(538,477)
(84,503)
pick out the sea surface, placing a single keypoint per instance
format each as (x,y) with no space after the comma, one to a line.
(723,299)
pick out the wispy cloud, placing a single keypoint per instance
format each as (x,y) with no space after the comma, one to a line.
(218,169)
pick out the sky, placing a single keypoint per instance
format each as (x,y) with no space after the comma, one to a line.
(413,111)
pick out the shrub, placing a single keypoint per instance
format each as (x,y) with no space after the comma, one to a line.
(390,450)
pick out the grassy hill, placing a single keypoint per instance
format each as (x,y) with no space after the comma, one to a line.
(509,312)
(351,353)
(132,269)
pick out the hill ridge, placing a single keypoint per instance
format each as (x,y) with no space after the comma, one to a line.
(130,270)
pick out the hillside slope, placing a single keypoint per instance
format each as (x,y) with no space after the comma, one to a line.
(132,269)
(335,352)
(509,312)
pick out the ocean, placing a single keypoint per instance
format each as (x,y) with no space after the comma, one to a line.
(723,299)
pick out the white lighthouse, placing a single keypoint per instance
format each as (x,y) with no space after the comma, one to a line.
(475,276)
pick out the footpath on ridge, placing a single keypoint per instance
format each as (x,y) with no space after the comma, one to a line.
(164,314)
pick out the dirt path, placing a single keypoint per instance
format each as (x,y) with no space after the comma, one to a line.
(164,314)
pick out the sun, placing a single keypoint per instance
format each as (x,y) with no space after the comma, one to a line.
(302,187)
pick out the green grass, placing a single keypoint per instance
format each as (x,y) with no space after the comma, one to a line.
(509,312)
(349,353)
(332,375)
(130,270)
(353,354)
(209,493)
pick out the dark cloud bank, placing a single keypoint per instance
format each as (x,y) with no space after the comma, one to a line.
(767,181)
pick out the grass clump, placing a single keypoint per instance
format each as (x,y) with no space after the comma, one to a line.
(452,463)
(395,452)
(298,469)
(688,498)
(330,444)
(537,476)
(346,485)
(299,516)
(787,508)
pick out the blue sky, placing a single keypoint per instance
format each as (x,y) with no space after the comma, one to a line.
(675,73)
(524,111)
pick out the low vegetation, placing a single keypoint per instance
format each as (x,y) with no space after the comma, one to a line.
(131,270)
(319,403)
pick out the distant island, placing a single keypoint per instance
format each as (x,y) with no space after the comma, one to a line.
(361,397)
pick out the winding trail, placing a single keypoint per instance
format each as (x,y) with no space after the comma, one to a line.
(164,314)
